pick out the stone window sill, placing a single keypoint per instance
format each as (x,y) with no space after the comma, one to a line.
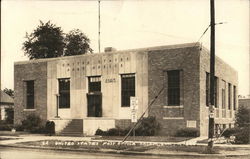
(175,106)
(174,118)
(27,110)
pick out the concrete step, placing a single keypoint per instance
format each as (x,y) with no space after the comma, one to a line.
(74,128)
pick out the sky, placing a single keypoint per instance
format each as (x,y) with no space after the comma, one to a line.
(131,24)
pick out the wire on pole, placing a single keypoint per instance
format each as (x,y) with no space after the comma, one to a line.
(148,108)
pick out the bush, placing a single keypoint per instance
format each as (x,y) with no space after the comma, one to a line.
(50,127)
(187,132)
(242,117)
(32,123)
(243,123)
(243,135)
(230,132)
(9,115)
(99,132)
(112,132)
(18,127)
(117,132)
(5,126)
(147,127)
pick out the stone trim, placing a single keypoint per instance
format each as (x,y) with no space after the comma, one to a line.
(173,118)
(29,110)
(178,106)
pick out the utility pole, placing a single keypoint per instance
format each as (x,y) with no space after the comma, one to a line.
(212,71)
(99,26)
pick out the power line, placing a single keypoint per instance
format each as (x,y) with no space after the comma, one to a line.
(152,102)
(207,30)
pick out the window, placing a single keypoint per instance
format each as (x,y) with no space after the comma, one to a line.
(64,93)
(30,102)
(234,106)
(207,88)
(223,95)
(95,84)
(128,88)
(173,87)
(229,96)
(223,99)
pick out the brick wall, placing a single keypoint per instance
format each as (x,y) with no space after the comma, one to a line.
(244,102)
(123,123)
(185,59)
(225,74)
(38,73)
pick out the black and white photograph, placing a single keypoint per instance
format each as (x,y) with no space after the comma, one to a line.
(116,79)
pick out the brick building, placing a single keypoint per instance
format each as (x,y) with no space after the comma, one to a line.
(6,102)
(86,92)
(244,102)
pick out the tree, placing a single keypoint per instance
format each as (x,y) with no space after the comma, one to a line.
(10,92)
(243,117)
(46,41)
(76,43)
(242,136)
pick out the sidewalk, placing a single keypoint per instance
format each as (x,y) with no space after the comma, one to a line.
(227,150)
(29,138)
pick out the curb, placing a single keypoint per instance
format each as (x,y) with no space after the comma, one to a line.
(123,152)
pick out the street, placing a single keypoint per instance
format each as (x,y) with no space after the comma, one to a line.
(20,153)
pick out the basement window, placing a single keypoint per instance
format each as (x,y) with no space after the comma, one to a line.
(64,92)
(128,88)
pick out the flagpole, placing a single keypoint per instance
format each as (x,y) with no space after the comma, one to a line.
(99,26)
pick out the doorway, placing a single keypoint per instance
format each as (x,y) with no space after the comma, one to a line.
(94,97)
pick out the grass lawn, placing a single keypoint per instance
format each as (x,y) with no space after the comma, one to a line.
(145,138)
(5,138)
(9,133)
(74,145)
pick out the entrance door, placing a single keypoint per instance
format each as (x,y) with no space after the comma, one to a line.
(94,105)
(94,97)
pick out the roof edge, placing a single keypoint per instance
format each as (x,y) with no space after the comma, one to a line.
(163,47)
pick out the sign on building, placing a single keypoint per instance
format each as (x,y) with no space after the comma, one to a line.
(191,123)
(134,108)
